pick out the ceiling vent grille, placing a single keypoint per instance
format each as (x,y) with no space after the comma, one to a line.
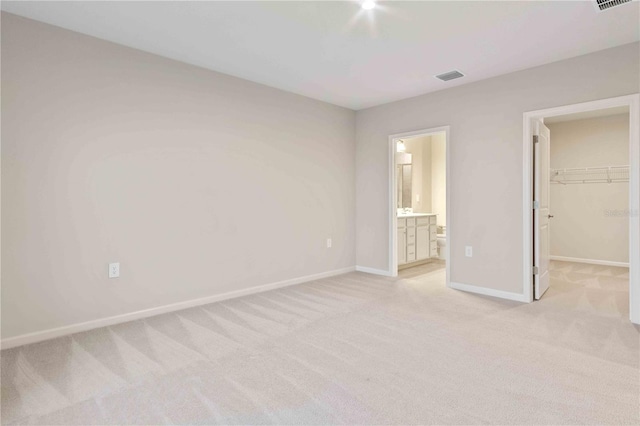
(602,5)
(451,75)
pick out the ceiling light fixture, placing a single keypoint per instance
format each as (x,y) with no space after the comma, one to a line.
(368,4)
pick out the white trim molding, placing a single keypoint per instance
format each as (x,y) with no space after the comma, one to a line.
(590,261)
(52,333)
(633,103)
(488,292)
(374,271)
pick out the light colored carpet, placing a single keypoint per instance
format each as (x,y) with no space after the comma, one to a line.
(353,349)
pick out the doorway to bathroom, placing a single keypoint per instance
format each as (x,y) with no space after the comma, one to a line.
(419,226)
(581,176)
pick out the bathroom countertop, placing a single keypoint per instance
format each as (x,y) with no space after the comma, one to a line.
(404,215)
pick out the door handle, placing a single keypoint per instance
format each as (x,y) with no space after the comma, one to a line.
(549,216)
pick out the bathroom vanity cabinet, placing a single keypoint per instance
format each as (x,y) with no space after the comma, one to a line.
(417,238)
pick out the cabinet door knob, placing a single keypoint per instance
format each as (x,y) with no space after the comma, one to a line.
(549,216)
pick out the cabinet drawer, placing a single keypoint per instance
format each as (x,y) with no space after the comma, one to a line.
(411,233)
(433,220)
(422,220)
(411,255)
(434,251)
(411,222)
(433,234)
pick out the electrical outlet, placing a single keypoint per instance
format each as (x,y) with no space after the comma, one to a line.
(114,270)
(468,251)
(329,243)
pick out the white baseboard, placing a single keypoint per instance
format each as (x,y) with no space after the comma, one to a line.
(52,333)
(373,271)
(590,261)
(489,292)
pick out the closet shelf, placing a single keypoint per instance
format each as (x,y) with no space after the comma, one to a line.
(610,174)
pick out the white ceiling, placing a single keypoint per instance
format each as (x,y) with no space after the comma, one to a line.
(337,52)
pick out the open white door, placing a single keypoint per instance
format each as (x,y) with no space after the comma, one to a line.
(541,213)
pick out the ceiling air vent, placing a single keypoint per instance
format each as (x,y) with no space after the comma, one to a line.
(602,5)
(451,75)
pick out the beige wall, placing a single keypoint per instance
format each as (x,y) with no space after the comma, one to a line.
(439,177)
(486,158)
(429,174)
(197,182)
(427,178)
(583,226)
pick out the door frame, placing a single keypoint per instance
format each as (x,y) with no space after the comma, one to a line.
(393,222)
(631,101)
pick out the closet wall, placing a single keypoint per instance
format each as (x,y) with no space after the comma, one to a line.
(590,219)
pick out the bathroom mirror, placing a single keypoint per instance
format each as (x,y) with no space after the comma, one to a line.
(403,173)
